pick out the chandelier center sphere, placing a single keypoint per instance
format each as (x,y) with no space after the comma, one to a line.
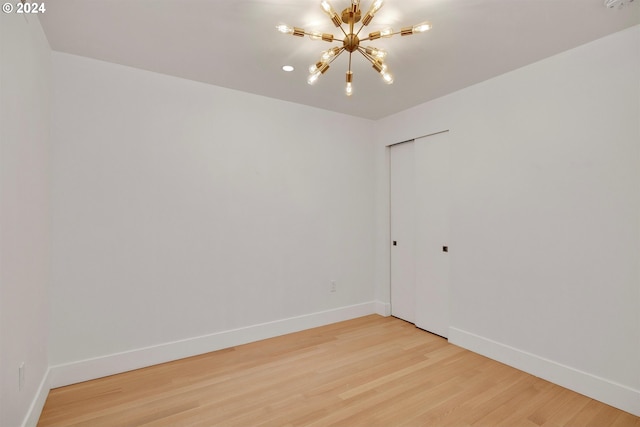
(351,42)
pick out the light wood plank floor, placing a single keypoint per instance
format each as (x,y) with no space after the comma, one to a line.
(371,371)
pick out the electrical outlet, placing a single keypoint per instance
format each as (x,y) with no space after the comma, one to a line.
(21,376)
(333,287)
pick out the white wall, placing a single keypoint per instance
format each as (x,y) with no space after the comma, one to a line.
(545,215)
(25,95)
(182,209)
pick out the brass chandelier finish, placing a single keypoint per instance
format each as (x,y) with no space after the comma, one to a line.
(351,42)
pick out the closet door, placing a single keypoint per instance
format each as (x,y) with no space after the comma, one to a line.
(432,254)
(403,192)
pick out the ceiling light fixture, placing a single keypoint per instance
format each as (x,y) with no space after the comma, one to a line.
(351,43)
(288,68)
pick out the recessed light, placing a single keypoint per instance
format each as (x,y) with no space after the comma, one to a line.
(287,68)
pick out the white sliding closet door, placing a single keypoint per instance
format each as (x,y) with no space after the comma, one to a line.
(419,186)
(402,187)
(432,233)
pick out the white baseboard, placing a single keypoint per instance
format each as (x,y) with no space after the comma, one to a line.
(88,369)
(33,415)
(609,392)
(383,308)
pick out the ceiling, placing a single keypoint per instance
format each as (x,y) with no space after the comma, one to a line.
(234,44)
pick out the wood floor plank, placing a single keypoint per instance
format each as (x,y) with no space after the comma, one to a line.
(625,419)
(371,371)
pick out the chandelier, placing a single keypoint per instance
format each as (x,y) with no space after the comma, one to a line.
(351,42)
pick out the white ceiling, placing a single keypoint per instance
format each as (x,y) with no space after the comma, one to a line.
(234,44)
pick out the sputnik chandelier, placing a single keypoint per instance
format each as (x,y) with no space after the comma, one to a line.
(351,43)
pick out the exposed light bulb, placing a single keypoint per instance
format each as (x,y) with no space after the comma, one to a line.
(375,6)
(386,32)
(330,11)
(328,54)
(321,68)
(313,77)
(422,27)
(315,35)
(318,66)
(348,90)
(326,6)
(383,70)
(375,52)
(285,29)
(419,28)
(299,32)
(355,2)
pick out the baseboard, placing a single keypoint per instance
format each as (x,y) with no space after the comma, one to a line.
(609,392)
(33,415)
(383,308)
(84,370)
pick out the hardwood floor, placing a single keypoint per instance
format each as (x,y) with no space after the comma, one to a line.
(371,371)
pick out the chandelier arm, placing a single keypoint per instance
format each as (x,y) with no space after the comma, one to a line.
(330,40)
(336,55)
(387,36)
(362,26)
(366,55)
(373,62)
(375,38)
(379,66)
(330,60)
